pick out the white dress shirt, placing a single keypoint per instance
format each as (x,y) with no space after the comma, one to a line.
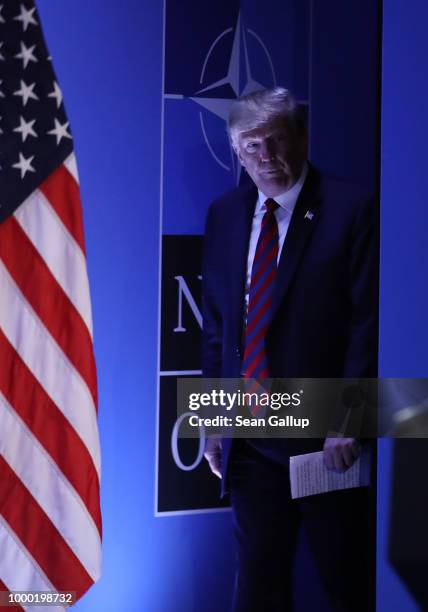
(287,202)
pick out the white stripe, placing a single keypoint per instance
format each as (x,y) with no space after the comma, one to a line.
(60,251)
(19,570)
(48,363)
(71,165)
(49,487)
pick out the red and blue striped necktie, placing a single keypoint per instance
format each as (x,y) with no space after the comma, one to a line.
(263,276)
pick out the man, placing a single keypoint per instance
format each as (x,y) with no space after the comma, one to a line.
(289,290)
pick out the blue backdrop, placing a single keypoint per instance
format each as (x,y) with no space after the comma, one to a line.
(404,251)
(109,61)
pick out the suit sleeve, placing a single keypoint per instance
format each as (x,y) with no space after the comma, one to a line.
(362,352)
(211,314)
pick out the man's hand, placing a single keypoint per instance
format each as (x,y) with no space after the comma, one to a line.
(213,455)
(340,453)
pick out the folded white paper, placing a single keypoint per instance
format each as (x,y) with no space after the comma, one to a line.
(309,475)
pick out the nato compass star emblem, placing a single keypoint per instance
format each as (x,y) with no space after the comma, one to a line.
(240,81)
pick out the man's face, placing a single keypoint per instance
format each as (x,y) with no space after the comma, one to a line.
(273,156)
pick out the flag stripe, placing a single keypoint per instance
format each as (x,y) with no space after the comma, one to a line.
(50,427)
(3,587)
(46,483)
(71,165)
(59,250)
(48,363)
(48,300)
(39,536)
(15,555)
(62,192)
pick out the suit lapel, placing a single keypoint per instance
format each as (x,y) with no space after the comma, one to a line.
(304,219)
(241,227)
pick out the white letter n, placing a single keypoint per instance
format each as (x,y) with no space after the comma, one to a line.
(183,289)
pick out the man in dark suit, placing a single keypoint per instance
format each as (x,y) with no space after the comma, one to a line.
(290,290)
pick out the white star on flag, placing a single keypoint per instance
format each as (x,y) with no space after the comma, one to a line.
(24,165)
(49,476)
(26,54)
(25,128)
(60,131)
(57,94)
(26,17)
(26,92)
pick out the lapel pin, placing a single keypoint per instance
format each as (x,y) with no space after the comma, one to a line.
(309,215)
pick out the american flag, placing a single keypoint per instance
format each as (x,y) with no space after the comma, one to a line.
(50,522)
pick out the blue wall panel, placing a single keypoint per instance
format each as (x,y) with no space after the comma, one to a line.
(108,60)
(404,251)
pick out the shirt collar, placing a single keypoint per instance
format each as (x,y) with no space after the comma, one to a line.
(288,199)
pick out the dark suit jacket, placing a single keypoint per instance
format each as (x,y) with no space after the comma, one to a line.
(324,314)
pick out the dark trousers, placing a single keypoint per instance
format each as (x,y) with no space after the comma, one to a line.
(339,527)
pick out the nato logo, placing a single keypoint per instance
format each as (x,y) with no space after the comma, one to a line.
(249,67)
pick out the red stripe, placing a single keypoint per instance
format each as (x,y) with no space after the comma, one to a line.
(48,300)
(49,426)
(255,362)
(249,348)
(256,409)
(63,194)
(258,316)
(4,588)
(270,235)
(257,388)
(272,254)
(264,373)
(261,290)
(39,536)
